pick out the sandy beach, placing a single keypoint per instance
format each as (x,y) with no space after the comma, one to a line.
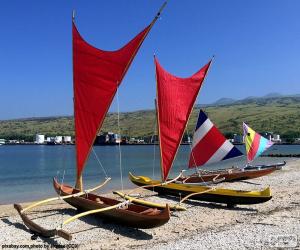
(275,223)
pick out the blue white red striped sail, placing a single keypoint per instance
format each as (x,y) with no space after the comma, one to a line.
(209,144)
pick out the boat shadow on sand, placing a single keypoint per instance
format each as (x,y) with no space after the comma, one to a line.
(92,220)
(195,203)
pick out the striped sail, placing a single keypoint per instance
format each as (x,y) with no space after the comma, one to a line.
(255,143)
(209,144)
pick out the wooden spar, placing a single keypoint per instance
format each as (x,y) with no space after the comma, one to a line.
(148,203)
(93,212)
(192,194)
(151,25)
(158,133)
(79,182)
(199,91)
(158,13)
(156,185)
(193,106)
(64,197)
(155,102)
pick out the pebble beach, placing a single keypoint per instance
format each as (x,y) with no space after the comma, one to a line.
(274,224)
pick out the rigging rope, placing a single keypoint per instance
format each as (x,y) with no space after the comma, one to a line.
(119,132)
(154,152)
(103,169)
(204,182)
(59,195)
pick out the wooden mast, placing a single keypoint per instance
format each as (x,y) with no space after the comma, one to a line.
(157,121)
(79,184)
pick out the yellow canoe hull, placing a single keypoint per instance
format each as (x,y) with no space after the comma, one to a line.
(218,195)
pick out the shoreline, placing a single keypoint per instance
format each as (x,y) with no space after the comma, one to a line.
(203,226)
(116,144)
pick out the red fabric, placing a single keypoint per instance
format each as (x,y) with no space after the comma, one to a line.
(209,144)
(175,99)
(97,74)
(254,148)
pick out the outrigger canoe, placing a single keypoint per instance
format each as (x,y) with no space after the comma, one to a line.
(228,175)
(204,193)
(97,75)
(124,213)
(136,216)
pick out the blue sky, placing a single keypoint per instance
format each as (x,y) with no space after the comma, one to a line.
(256,46)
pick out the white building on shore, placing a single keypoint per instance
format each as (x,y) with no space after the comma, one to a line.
(67,139)
(39,139)
(276,138)
(58,139)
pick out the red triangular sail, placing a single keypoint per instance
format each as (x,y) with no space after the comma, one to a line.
(97,75)
(175,99)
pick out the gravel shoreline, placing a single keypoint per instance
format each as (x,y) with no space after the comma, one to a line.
(203,226)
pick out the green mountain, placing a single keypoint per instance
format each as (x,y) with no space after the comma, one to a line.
(273,114)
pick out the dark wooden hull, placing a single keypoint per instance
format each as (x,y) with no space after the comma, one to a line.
(227,176)
(136,216)
(219,195)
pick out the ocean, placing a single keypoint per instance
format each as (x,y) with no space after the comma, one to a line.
(26,172)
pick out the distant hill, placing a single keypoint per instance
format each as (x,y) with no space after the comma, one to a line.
(272,95)
(223,101)
(279,114)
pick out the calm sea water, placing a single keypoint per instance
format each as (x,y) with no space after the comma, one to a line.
(26,172)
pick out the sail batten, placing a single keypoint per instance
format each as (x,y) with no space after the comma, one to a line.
(96,75)
(175,99)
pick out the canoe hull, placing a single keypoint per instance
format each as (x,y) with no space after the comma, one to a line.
(278,166)
(227,175)
(225,196)
(136,216)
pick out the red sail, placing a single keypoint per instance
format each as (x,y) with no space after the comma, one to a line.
(175,99)
(97,75)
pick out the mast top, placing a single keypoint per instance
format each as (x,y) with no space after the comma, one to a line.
(161,9)
(159,13)
(73,15)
